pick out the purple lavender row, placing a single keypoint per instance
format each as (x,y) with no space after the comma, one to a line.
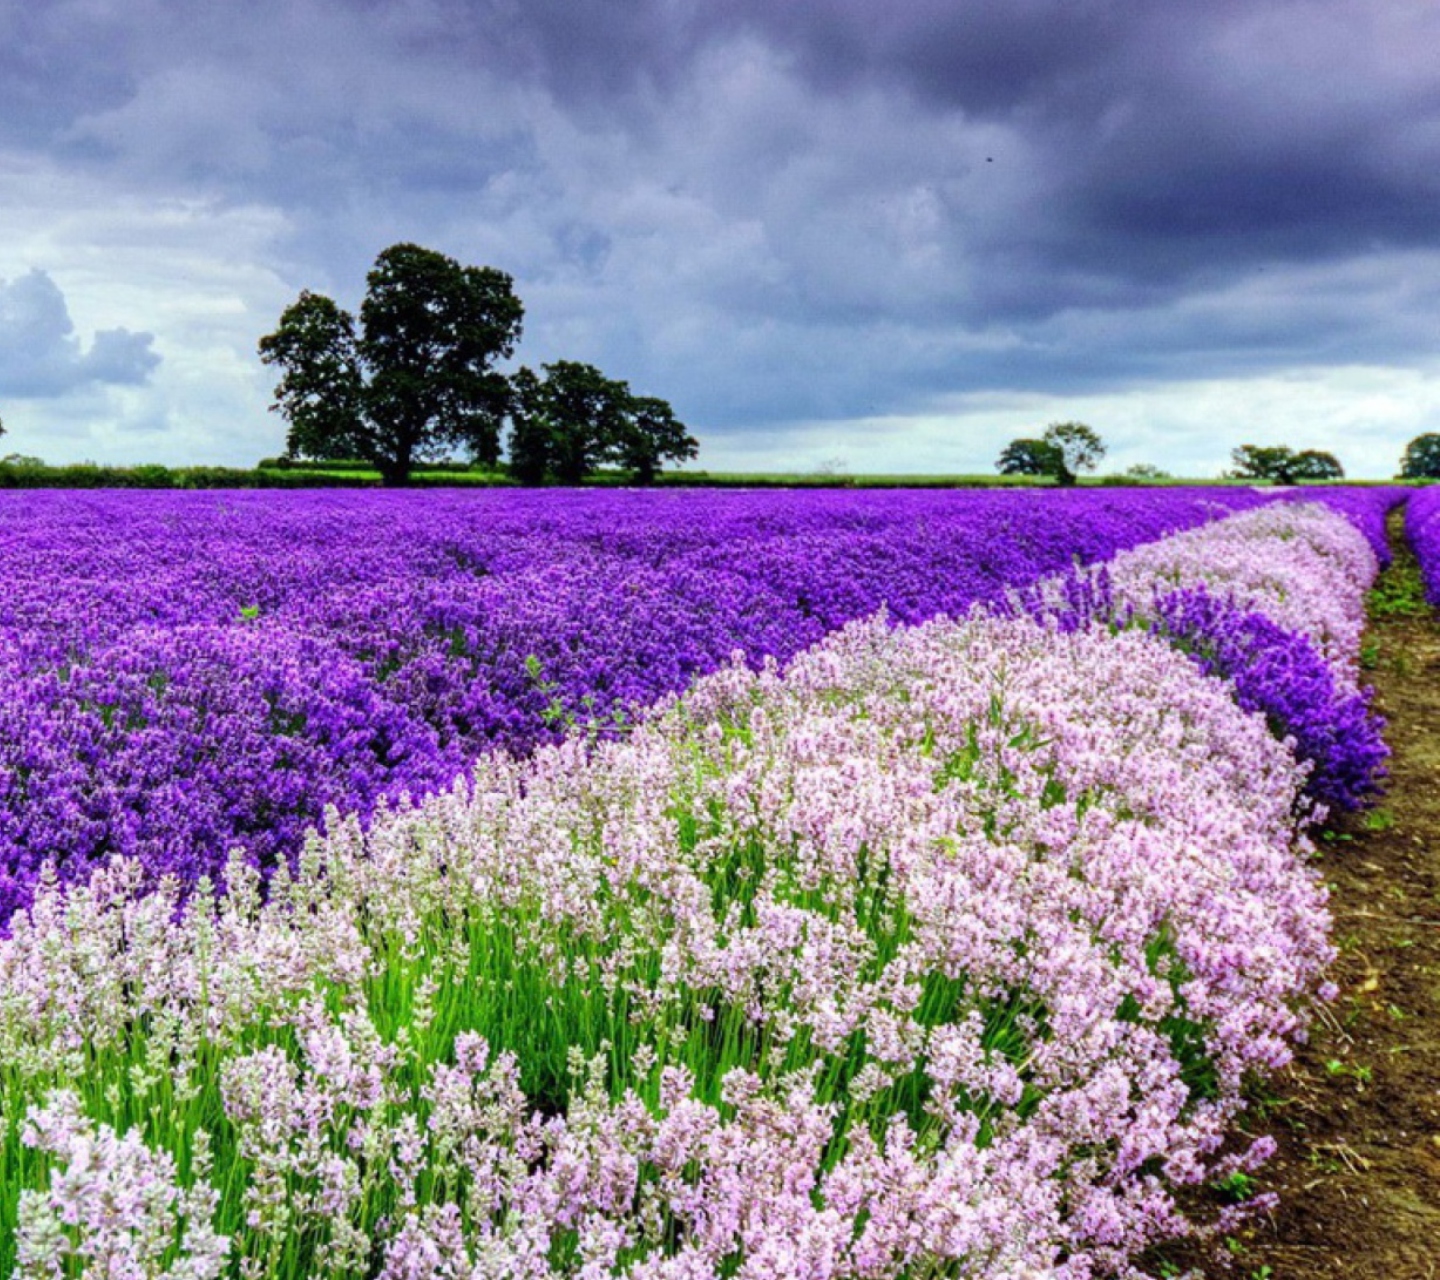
(188,672)
(1284,634)
(1422,527)
(1367,508)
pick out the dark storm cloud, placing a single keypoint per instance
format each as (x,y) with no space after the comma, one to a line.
(813,208)
(1179,139)
(40,355)
(1156,152)
(1169,138)
(56,62)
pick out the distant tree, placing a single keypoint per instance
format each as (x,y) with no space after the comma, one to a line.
(415,381)
(651,434)
(1079,446)
(1146,471)
(1316,464)
(565,424)
(1279,464)
(1422,458)
(1065,449)
(1262,462)
(1026,457)
(575,420)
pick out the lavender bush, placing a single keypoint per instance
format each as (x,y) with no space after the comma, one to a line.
(1281,674)
(183,673)
(1302,676)
(1422,527)
(1367,508)
(1316,587)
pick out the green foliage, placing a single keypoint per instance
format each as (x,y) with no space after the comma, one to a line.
(32,473)
(574,420)
(1080,449)
(1066,449)
(565,424)
(1381,819)
(414,380)
(1028,457)
(1279,464)
(651,434)
(1422,458)
(1237,1187)
(1399,592)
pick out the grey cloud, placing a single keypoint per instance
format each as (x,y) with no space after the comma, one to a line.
(41,356)
(769,211)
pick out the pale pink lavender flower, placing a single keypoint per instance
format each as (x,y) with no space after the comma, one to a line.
(113,1206)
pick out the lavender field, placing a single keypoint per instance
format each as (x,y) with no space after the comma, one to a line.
(818,884)
(186,673)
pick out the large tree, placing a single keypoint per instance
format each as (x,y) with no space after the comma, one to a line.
(415,380)
(1029,457)
(1422,458)
(649,435)
(1079,446)
(574,420)
(1279,464)
(1065,449)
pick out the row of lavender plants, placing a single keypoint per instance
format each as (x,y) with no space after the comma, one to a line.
(943,948)
(1290,656)
(183,673)
(1422,527)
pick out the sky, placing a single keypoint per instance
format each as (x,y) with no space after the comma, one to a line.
(837,235)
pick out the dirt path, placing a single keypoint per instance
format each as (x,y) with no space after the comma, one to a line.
(1358,1117)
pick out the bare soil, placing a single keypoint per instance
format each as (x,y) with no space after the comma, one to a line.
(1357,1117)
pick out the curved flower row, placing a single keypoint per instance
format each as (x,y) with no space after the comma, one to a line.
(1422,527)
(944,947)
(1284,632)
(1315,588)
(1366,507)
(183,673)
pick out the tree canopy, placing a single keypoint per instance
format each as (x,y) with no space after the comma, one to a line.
(1029,457)
(414,380)
(651,434)
(575,419)
(1065,449)
(1422,458)
(564,424)
(1279,464)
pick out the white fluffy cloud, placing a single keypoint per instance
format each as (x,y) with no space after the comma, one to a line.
(42,356)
